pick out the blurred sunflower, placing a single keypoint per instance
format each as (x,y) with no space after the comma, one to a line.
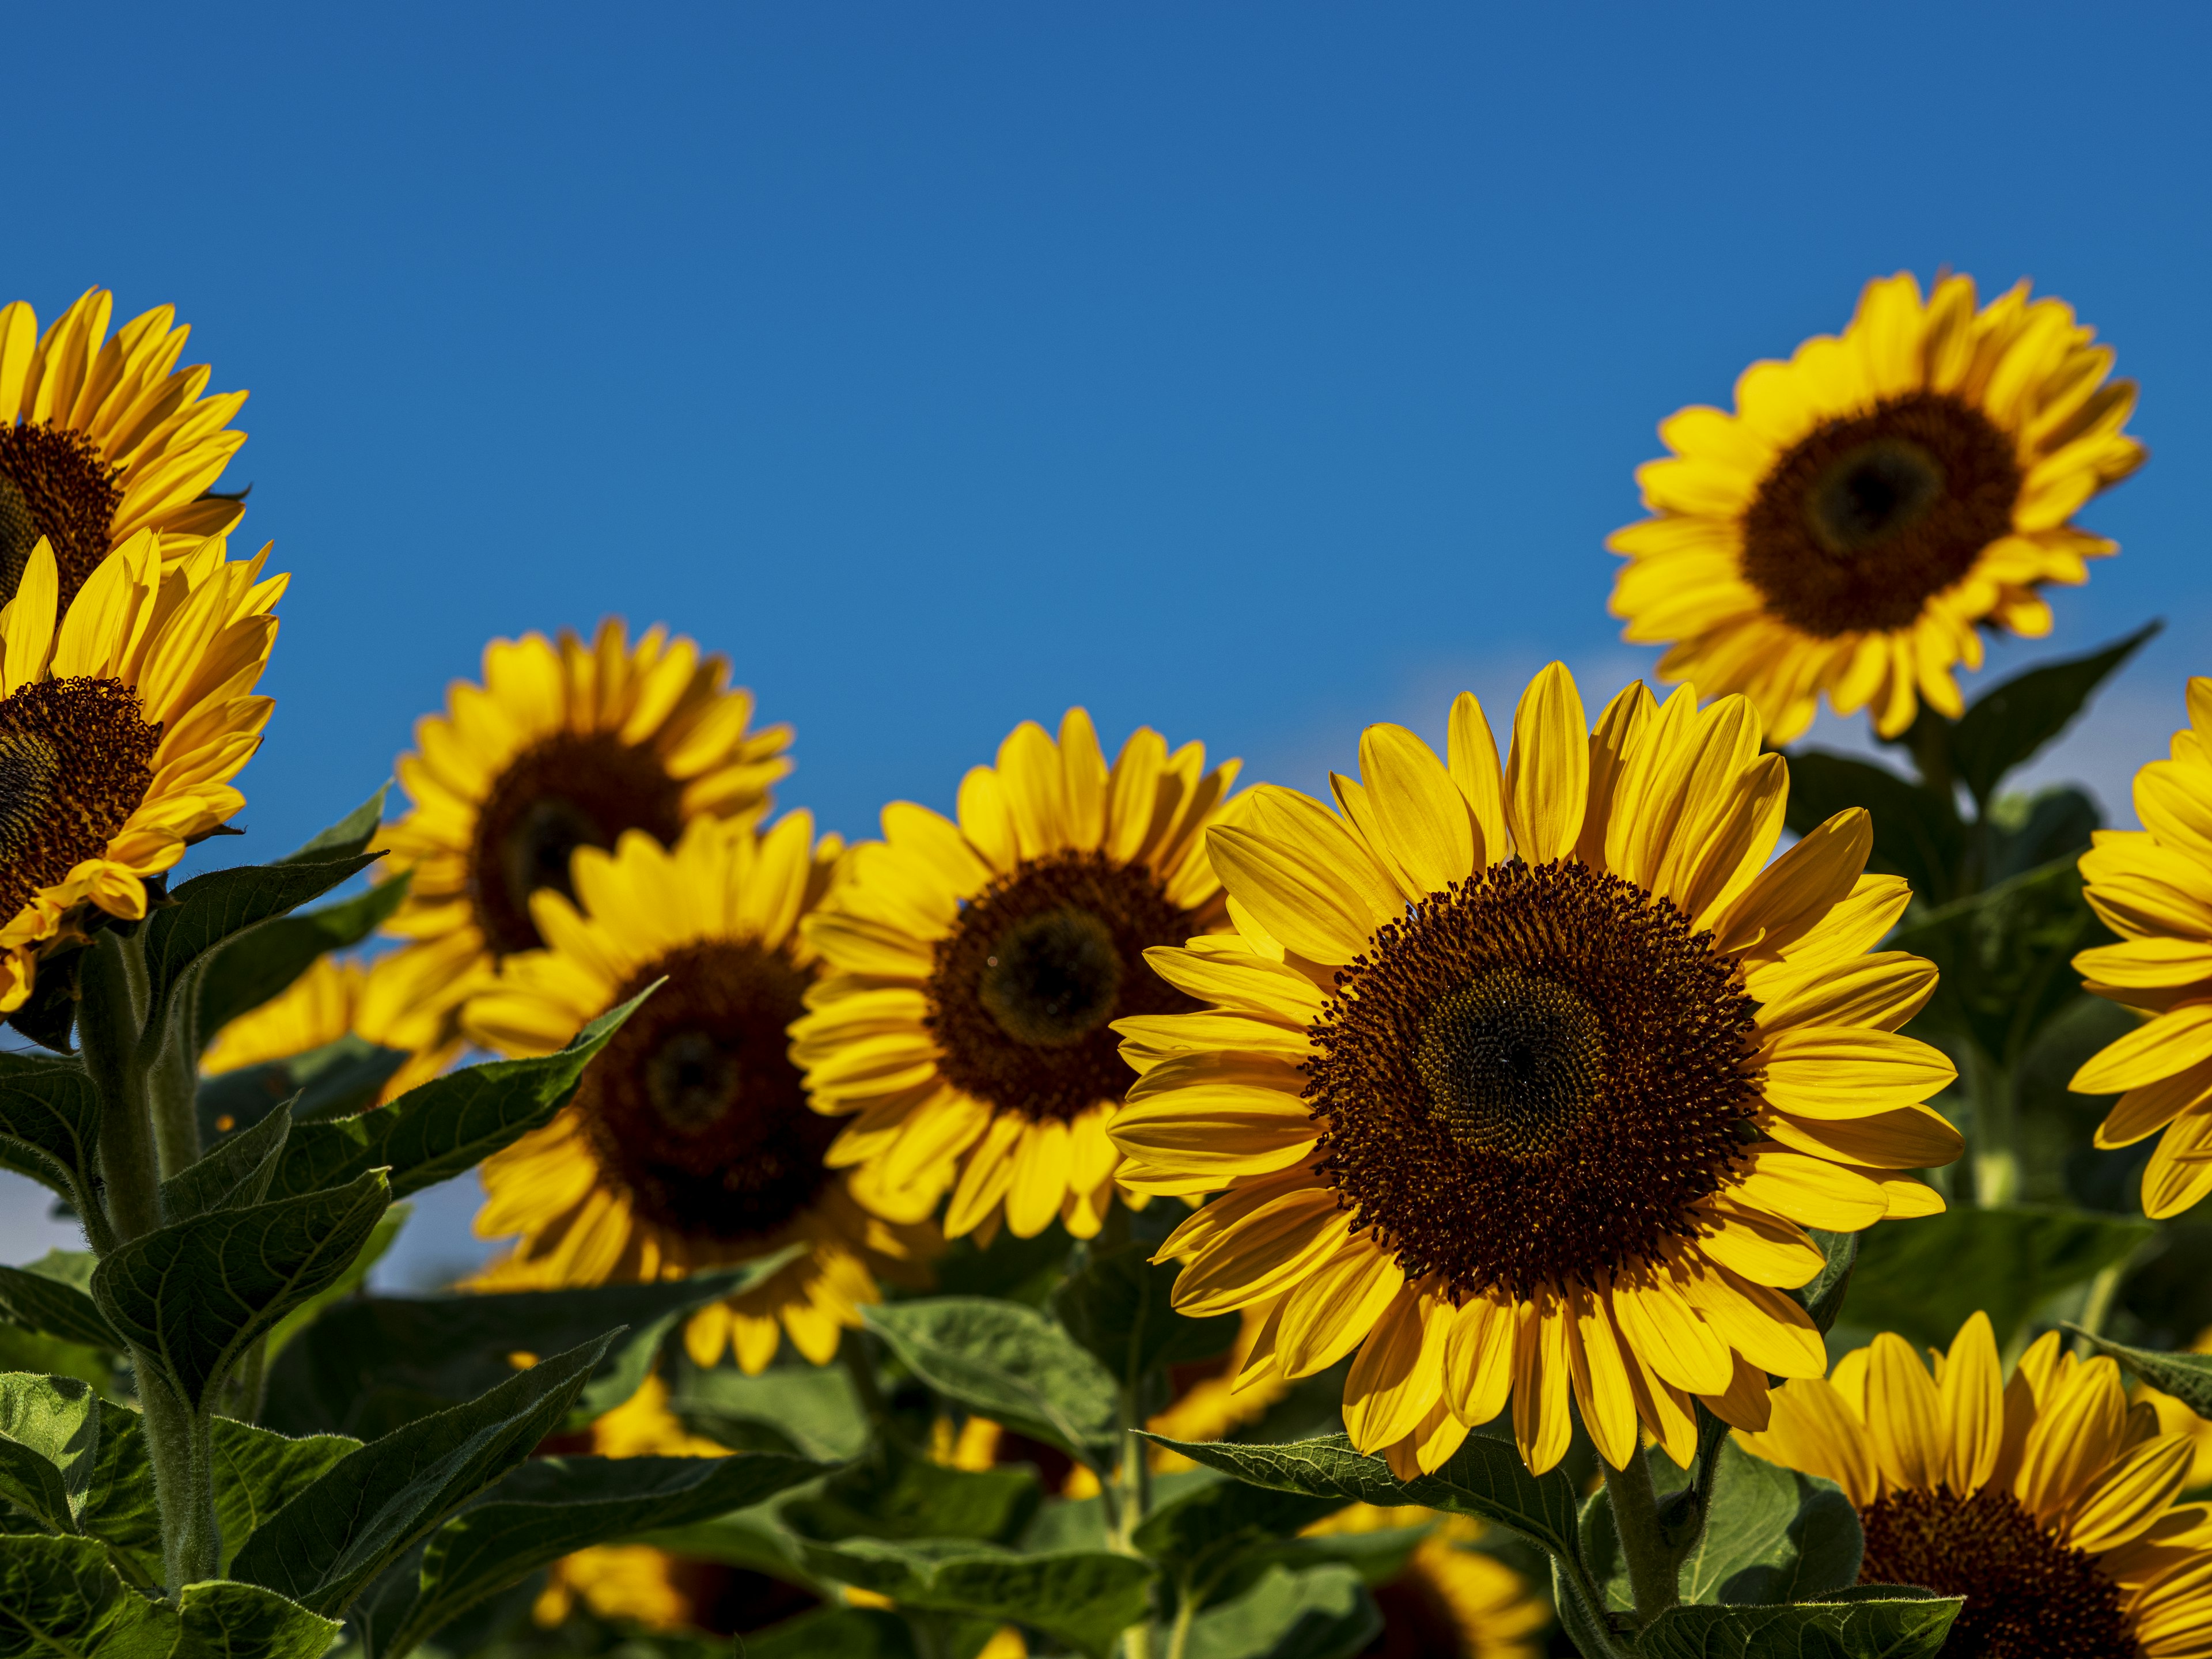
(2153,886)
(1526,1082)
(689,1143)
(2047,1501)
(101,438)
(1449,1602)
(973,970)
(316,1010)
(564,745)
(122,723)
(1873,501)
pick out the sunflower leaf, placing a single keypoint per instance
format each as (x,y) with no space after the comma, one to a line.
(346,838)
(371,1506)
(900,1494)
(2009,724)
(333,1081)
(813,1411)
(1917,833)
(1119,1308)
(50,1125)
(838,1634)
(225,1619)
(1204,1534)
(250,971)
(1904,1625)
(48,1297)
(1322,1614)
(1011,1364)
(235,1174)
(2186,1376)
(194,1294)
(451,1123)
(62,1596)
(1772,1535)
(1086,1598)
(49,1446)
(1823,1298)
(257,1472)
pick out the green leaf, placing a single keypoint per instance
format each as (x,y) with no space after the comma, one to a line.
(1199,1536)
(2005,957)
(349,838)
(61,1598)
(1823,1298)
(233,1176)
(451,1123)
(834,1633)
(2186,1376)
(899,1494)
(1120,1309)
(2025,832)
(552,1505)
(1325,1614)
(119,1502)
(50,1125)
(356,1275)
(2007,724)
(1010,1363)
(49,1444)
(195,1295)
(48,1297)
(372,1363)
(371,1507)
(224,1619)
(257,1471)
(811,1410)
(1916,831)
(1908,1626)
(250,971)
(1086,1598)
(1922,1279)
(210,913)
(1771,1535)
(336,1080)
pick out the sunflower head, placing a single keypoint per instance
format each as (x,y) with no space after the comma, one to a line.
(1873,501)
(1450,1601)
(2045,1500)
(101,438)
(1526,1081)
(122,722)
(565,744)
(973,971)
(688,1143)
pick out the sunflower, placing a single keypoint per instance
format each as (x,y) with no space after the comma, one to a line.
(122,723)
(689,1143)
(1873,501)
(1449,1601)
(1526,1082)
(2047,1501)
(974,970)
(564,745)
(100,438)
(316,1010)
(2153,886)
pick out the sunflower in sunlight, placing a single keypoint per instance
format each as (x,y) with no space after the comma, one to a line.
(974,970)
(1526,1082)
(102,438)
(2046,1501)
(689,1143)
(1874,501)
(2153,887)
(565,744)
(1449,1602)
(316,1010)
(122,723)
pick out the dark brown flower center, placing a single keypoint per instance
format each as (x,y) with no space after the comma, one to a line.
(1865,518)
(1532,1078)
(75,761)
(568,792)
(2028,1597)
(1417,1621)
(1040,963)
(53,484)
(695,1109)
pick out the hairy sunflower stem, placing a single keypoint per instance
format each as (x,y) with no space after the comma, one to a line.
(1652,1566)
(172,1084)
(1133,1476)
(110,1018)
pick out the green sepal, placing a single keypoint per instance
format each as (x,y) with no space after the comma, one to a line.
(48,1296)
(1085,1598)
(1010,1363)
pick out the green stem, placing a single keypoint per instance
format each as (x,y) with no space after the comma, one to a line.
(1998,1162)
(1135,1477)
(110,1020)
(1179,1634)
(173,1089)
(178,1445)
(1651,1569)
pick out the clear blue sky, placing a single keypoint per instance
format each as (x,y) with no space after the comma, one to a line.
(1253,372)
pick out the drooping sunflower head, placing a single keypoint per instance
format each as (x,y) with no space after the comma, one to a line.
(2045,1500)
(1526,1081)
(974,970)
(122,723)
(1873,501)
(102,438)
(2151,886)
(564,745)
(688,1143)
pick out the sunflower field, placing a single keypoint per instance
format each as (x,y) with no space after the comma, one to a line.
(1626,1183)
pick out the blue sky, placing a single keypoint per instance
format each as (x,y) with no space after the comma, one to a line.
(1250,372)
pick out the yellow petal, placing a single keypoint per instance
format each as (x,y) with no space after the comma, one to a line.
(1475,769)
(1547,774)
(2176,1040)
(1425,822)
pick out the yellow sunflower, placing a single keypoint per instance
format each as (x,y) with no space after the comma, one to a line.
(972,971)
(122,723)
(1873,501)
(1525,1082)
(2153,886)
(100,438)
(2174,1418)
(2047,1501)
(317,1009)
(565,744)
(689,1143)
(1449,1601)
